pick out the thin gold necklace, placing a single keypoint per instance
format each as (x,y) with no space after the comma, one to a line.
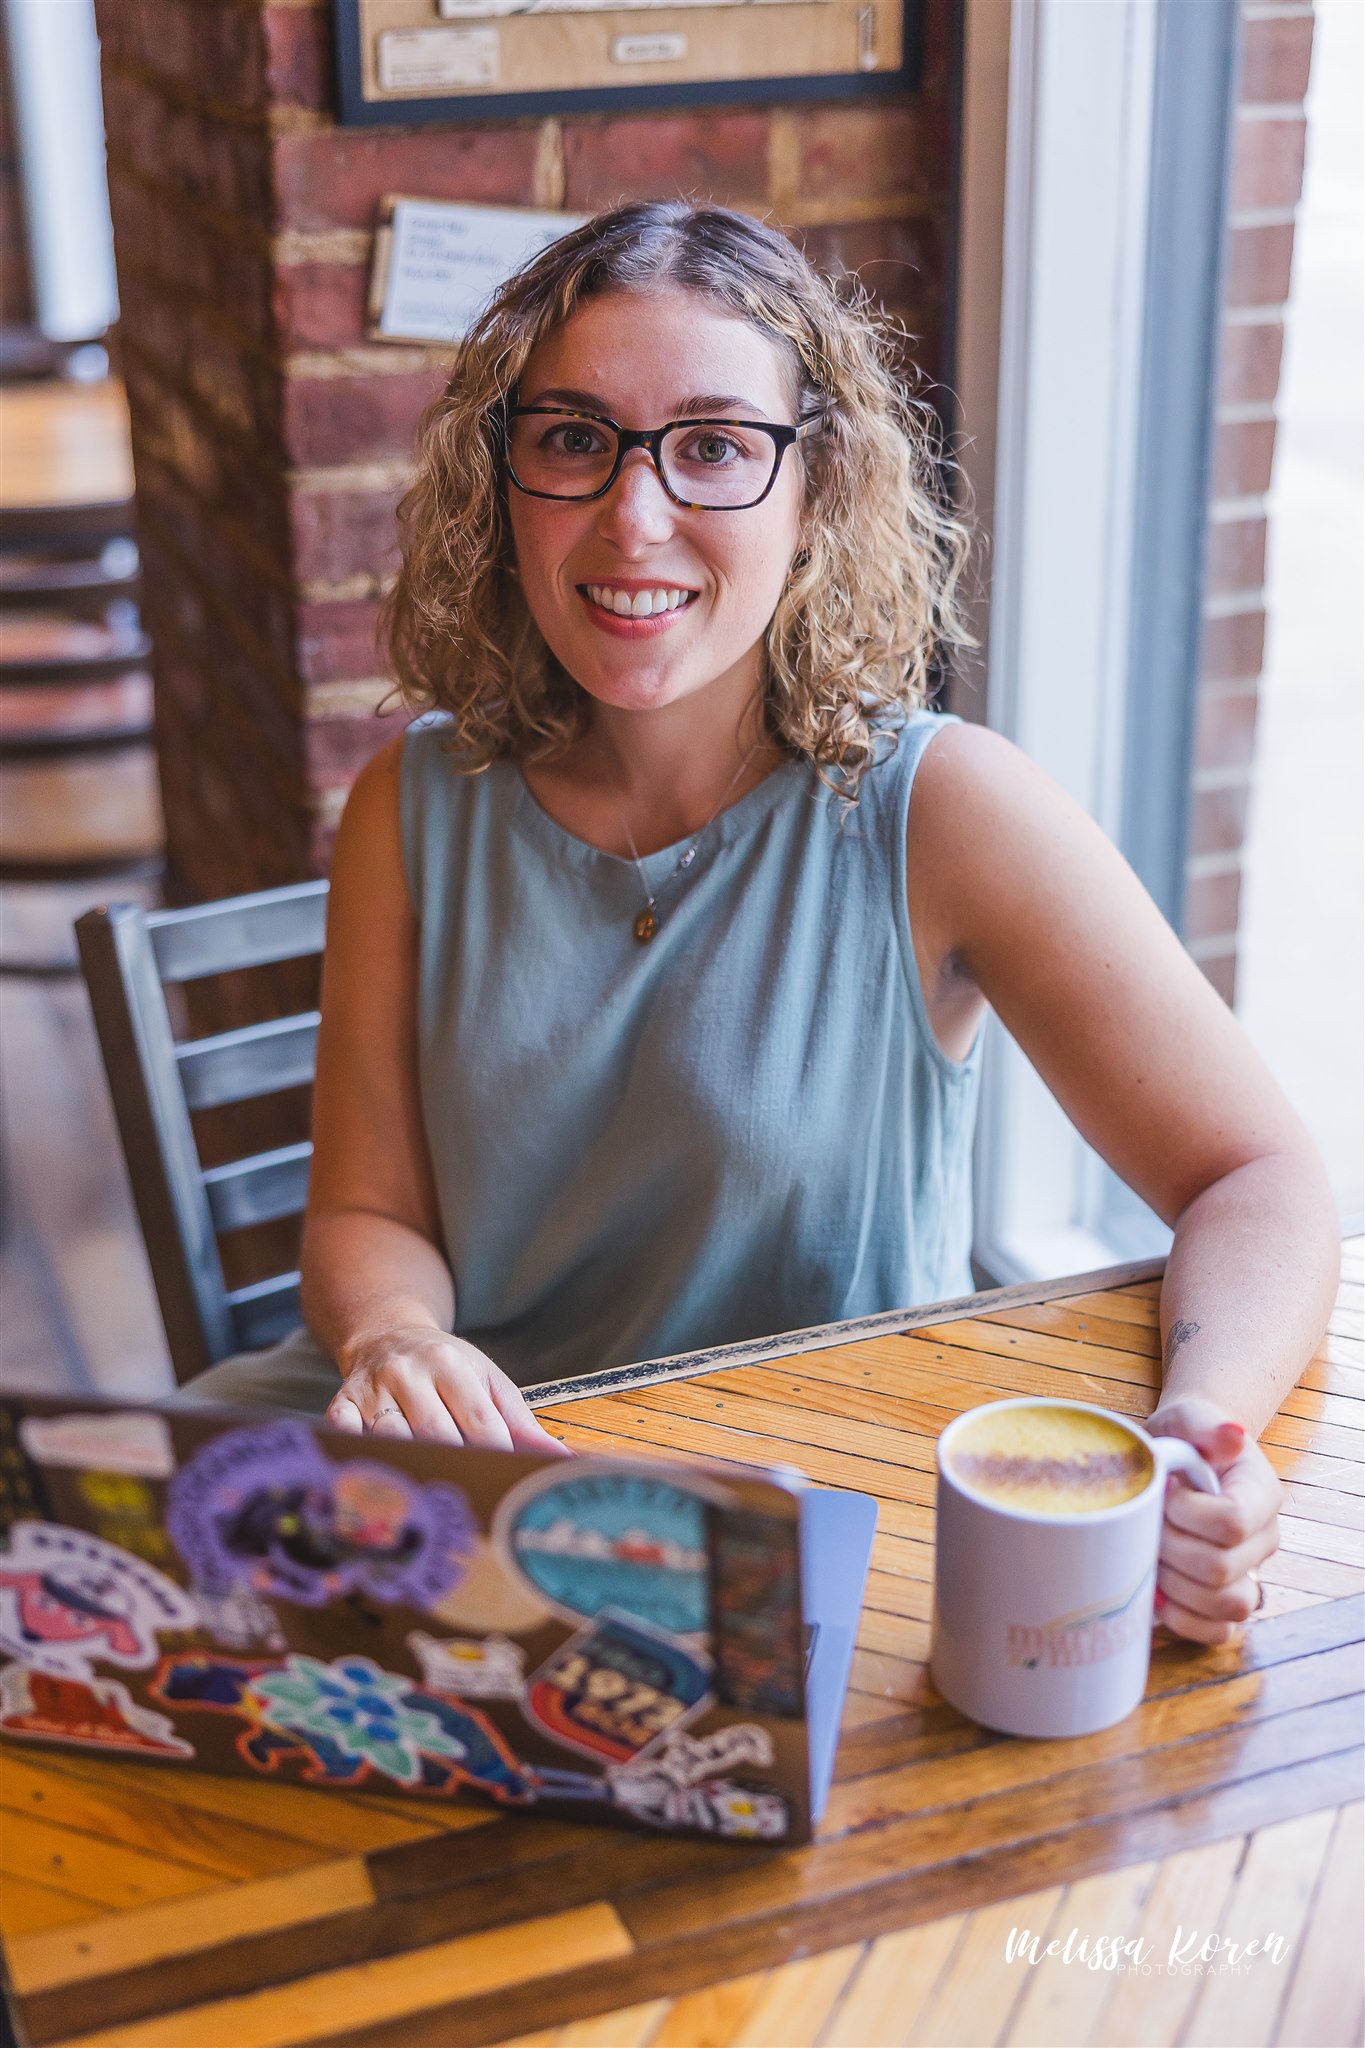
(647,920)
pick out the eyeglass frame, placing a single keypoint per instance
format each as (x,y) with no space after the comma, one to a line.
(652,438)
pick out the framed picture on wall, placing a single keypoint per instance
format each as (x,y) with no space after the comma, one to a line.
(412,61)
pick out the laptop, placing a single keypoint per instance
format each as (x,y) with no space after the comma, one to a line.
(661,1645)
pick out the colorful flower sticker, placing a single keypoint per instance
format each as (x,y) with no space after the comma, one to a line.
(69,1599)
(612,1535)
(266,1508)
(361,1710)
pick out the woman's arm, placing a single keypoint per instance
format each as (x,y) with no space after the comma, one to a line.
(377,1290)
(1034,908)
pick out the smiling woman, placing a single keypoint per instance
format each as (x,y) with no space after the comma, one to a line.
(659,949)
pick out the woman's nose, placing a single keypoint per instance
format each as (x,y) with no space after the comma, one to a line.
(637,508)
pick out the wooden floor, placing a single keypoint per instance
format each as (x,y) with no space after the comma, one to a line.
(79,1311)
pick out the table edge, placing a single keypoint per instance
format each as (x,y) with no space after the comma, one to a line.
(653,1372)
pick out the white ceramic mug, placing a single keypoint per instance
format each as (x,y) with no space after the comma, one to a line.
(1043,1622)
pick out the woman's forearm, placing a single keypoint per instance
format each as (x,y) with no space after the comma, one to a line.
(1249,1286)
(364,1274)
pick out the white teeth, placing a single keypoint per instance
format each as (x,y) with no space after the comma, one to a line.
(643,605)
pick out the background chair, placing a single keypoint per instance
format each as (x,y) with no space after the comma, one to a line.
(129,958)
(78,782)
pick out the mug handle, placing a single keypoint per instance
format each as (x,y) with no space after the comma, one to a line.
(1173,1454)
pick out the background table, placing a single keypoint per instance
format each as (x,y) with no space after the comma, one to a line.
(168,1909)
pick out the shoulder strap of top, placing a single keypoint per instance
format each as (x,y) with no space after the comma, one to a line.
(424,795)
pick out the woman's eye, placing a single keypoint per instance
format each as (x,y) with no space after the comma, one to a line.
(712,449)
(573,440)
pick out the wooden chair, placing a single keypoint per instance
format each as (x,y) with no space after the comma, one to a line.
(129,957)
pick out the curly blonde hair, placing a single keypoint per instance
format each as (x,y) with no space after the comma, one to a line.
(870,601)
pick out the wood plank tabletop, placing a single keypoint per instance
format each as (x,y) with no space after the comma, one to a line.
(172,1909)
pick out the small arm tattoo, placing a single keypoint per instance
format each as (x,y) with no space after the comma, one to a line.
(1179,1333)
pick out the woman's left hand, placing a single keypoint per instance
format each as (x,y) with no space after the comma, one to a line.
(1213,1544)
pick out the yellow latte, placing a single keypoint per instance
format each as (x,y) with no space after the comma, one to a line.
(1053,1461)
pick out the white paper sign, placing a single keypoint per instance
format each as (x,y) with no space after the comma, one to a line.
(446,261)
(416,59)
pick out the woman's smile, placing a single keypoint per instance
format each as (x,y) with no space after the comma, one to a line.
(634,610)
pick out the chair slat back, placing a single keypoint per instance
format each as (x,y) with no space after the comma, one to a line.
(128,957)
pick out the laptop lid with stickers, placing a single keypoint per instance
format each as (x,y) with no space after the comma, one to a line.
(601,1638)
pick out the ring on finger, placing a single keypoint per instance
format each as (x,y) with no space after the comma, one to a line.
(380,1413)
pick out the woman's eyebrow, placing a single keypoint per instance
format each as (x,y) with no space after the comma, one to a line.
(708,402)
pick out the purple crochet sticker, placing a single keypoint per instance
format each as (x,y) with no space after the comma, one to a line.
(268,1509)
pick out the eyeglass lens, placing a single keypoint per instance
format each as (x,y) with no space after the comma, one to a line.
(715,466)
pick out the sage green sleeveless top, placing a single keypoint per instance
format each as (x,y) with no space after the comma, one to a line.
(745,1126)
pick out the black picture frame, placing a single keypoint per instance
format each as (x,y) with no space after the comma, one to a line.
(355,111)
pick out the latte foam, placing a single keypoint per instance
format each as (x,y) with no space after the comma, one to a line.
(1054,1461)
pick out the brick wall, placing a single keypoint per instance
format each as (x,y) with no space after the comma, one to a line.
(271,439)
(1267,177)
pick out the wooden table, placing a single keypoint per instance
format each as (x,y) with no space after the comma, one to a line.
(176,1910)
(64,444)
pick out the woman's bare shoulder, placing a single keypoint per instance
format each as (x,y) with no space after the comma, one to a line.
(368,857)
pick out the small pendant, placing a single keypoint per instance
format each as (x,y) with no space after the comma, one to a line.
(686,860)
(646,924)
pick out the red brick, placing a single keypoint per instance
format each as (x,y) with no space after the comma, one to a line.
(1236,555)
(354,419)
(1225,729)
(1218,819)
(721,156)
(1211,906)
(340,534)
(321,305)
(1275,60)
(1267,164)
(1243,451)
(898,261)
(872,152)
(1249,363)
(1232,648)
(1221,970)
(1258,265)
(336,641)
(938,47)
(335,178)
(298,57)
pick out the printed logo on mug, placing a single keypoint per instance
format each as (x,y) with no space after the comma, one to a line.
(1046,1532)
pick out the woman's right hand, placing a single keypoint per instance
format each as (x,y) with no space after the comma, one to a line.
(420,1382)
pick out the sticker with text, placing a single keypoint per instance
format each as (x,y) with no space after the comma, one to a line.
(268,1509)
(69,1599)
(604,1536)
(615,1688)
(119,1441)
(472,1667)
